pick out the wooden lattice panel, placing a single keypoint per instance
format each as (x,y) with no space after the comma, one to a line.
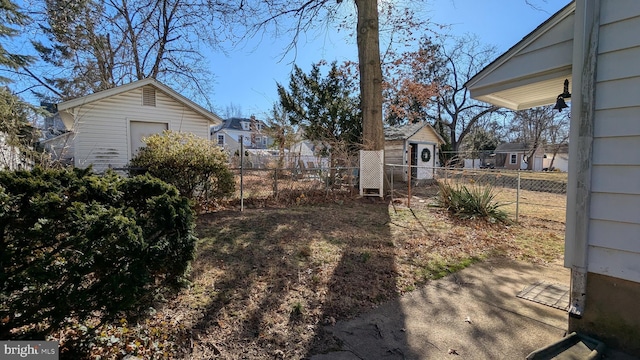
(371,173)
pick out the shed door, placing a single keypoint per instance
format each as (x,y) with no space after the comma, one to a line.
(141,130)
(537,163)
(414,161)
(426,161)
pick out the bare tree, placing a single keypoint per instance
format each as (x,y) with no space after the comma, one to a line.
(312,14)
(98,44)
(557,135)
(453,112)
(411,83)
(232,110)
(529,127)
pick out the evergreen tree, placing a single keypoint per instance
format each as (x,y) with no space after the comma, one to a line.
(325,107)
(16,133)
(13,17)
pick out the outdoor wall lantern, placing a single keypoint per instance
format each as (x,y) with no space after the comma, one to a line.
(560,104)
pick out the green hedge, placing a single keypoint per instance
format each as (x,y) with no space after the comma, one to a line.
(74,244)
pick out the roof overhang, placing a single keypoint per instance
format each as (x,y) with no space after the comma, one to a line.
(532,72)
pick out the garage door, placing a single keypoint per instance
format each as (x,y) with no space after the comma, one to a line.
(141,130)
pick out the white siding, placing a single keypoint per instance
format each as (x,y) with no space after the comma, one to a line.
(549,52)
(614,227)
(426,134)
(102,127)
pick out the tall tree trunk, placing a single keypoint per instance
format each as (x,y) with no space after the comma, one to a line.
(370,74)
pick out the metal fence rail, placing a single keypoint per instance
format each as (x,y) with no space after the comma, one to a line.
(539,195)
(535,194)
(294,184)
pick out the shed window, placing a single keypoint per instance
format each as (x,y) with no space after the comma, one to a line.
(220,139)
(148,96)
(513,159)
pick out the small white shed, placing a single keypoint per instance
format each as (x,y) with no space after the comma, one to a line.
(417,142)
(106,128)
(595,45)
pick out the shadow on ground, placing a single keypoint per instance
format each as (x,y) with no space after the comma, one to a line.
(473,314)
(267,282)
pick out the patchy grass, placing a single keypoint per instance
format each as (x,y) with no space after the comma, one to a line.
(265,281)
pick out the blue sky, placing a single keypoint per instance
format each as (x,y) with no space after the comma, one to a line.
(247,76)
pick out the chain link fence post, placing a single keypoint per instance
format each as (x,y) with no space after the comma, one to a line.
(241,173)
(393,171)
(518,198)
(275,183)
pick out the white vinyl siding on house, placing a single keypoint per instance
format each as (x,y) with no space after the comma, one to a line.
(614,226)
(520,79)
(102,128)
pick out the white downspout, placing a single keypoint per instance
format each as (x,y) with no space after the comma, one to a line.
(585,52)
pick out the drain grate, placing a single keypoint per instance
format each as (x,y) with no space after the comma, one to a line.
(554,295)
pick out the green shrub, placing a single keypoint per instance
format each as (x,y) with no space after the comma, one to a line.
(192,164)
(469,203)
(76,245)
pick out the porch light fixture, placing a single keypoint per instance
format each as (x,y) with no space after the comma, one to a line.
(560,104)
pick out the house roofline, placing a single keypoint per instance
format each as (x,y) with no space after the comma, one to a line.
(65,134)
(425,123)
(552,21)
(70,104)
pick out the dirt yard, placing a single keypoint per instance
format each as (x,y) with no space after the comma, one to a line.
(266,280)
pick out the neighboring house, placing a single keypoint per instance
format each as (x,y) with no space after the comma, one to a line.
(417,142)
(514,156)
(556,157)
(595,45)
(252,131)
(106,129)
(10,156)
(304,148)
(56,139)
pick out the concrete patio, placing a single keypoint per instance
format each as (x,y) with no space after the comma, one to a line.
(472,314)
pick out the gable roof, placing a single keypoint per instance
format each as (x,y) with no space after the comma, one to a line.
(100,95)
(403,132)
(236,123)
(510,147)
(515,147)
(531,73)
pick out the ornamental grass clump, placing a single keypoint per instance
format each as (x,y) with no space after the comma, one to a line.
(471,202)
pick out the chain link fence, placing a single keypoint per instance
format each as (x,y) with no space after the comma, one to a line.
(539,195)
(523,193)
(294,185)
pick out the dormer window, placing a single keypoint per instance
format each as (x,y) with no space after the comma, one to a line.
(245,125)
(148,96)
